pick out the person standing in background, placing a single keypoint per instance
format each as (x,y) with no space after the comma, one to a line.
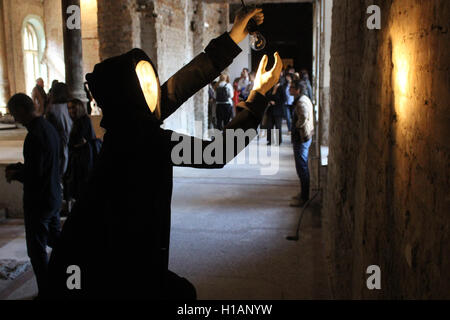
(39,97)
(212,119)
(50,94)
(58,116)
(236,97)
(243,81)
(246,91)
(224,101)
(304,77)
(289,100)
(302,132)
(41,185)
(275,113)
(81,152)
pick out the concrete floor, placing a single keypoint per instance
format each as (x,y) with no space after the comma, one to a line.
(229,231)
(12,247)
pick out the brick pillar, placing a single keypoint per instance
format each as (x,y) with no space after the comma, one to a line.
(117,32)
(73,54)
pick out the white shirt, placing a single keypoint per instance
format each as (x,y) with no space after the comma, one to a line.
(243,83)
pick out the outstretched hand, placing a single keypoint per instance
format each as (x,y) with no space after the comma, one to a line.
(239,30)
(264,80)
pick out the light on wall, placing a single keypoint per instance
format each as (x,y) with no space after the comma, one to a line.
(401,77)
(402,73)
(88,2)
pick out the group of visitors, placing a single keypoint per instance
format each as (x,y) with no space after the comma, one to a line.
(290,99)
(281,103)
(77,139)
(224,97)
(59,153)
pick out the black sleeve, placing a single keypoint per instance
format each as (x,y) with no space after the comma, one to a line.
(203,69)
(249,116)
(88,130)
(20,171)
(74,137)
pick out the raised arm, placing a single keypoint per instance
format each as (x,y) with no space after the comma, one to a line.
(248,117)
(207,66)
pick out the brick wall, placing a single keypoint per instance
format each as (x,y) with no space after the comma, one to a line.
(209,21)
(175,49)
(386,201)
(115,27)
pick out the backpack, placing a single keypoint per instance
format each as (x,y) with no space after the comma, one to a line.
(222,94)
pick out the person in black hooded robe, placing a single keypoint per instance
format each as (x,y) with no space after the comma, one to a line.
(118,233)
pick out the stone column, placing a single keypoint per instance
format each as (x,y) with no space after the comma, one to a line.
(324,86)
(73,53)
(4,82)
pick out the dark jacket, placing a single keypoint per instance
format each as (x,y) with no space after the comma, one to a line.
(39,173)
(58,116)
(279,98)
(82,130)
(118,232)
(308,88)
(81,157)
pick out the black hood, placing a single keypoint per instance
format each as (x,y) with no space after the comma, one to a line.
(115,87)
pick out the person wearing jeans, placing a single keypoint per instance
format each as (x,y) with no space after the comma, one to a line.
(224,101)
(301,150)
(289,100)
(302,132)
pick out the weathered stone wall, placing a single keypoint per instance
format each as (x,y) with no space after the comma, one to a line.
(208,22)
(115,27)
(54,34)
(324,65)
(89,34)
(387,198)
(175,49)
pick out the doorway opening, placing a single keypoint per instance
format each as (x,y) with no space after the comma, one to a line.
(288,29)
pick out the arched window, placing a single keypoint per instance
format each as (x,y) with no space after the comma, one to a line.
(33,49)
(31,56)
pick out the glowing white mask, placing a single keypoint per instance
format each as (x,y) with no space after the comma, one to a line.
(150,86)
